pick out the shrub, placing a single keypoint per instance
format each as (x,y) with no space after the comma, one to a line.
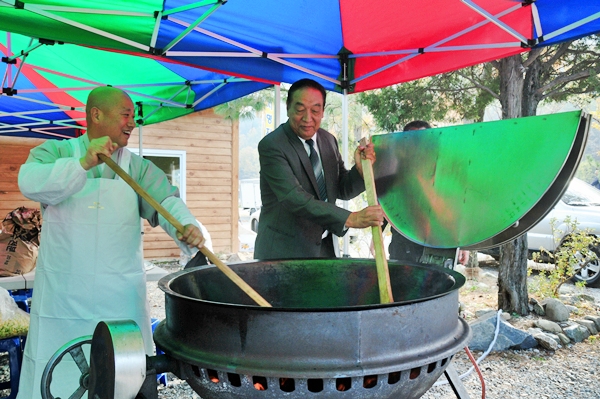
(573,251)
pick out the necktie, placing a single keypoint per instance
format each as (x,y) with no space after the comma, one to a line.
(318,169)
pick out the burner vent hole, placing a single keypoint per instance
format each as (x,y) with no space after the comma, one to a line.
(431,367)
(287,384)
(212,375)
(234,379)
(414,373)
(369,381)
(394,377)
(444,361)
(196,371)
(260,383)
(314,384)
(343,384)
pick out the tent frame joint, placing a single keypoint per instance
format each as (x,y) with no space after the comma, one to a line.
(9,60)
(9,91)
(49,42)
(530,43)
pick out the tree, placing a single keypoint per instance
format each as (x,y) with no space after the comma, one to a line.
(519,83)
(247,106)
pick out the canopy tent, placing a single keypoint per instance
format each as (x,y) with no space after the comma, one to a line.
(348,45)
(45,86)
(345,44)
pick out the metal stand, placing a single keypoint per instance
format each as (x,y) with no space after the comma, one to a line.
(454,380)
(149,388)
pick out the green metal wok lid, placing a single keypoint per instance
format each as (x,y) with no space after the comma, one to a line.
(477,185)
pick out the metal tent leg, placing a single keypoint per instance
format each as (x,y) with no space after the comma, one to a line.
(454,380)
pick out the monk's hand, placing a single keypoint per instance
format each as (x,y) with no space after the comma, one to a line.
(371,216)
(463,257)
(192,236)
(101,145)
(364,152)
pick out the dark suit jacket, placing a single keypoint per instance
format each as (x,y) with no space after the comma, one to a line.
(293,218)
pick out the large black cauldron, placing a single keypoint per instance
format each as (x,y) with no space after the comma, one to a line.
(326,335)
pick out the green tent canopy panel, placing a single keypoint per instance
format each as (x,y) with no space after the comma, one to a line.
(477,185)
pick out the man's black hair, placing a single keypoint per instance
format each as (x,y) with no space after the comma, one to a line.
(302,84)
(416,125)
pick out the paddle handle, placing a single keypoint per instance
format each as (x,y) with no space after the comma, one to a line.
(383,273)
(171,219)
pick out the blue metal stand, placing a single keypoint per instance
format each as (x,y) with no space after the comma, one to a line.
(161,378)
(14,347)
(22,298)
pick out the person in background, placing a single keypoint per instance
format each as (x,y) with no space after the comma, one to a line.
(302,174)
(90,265)
(403,249)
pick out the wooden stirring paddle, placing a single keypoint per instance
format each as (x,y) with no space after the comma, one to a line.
(160,209)
(383,273)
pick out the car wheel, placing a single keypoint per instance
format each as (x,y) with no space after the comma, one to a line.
(589,272)
(254,225)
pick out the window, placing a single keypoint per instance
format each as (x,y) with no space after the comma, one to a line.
(172,162)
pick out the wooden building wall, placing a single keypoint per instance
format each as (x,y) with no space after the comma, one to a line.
(211,145)
(212,148)
(13,153)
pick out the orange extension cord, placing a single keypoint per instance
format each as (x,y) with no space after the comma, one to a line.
(472,359)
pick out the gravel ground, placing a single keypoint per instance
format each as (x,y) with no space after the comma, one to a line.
(570,372)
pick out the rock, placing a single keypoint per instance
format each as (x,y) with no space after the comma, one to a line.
(564,339)
(573,309)
(546,341)
(548,325)
(482,312)
(555,310)
(595,319)
(569,299)
(535,307)
(589,324)
(555,337)
(508,336)
(587,298)
(576,332)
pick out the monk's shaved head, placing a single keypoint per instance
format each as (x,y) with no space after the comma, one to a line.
(110,112)
(104,98)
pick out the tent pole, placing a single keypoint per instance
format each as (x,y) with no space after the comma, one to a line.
(277,106)
(141,147)
(141,153)
(345,155)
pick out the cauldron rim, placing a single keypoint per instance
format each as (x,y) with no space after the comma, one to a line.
(457,278)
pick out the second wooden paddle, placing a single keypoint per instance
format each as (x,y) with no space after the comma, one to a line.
(383,274)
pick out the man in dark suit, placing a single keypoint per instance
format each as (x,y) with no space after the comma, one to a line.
(301,176)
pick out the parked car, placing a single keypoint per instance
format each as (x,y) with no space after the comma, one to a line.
(254,216)
(581,202)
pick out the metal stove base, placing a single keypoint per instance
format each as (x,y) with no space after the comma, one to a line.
(208,389)
(408,384)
